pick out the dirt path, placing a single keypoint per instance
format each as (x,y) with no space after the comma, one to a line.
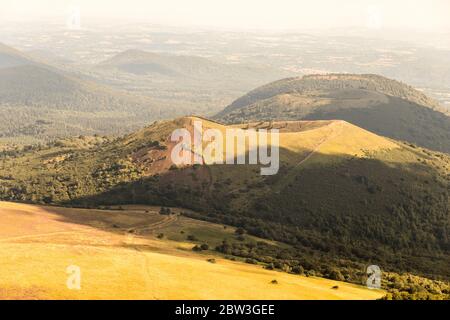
(335,132)
(167,220)
(158,225)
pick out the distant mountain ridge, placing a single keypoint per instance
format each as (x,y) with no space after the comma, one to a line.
(373,102)
(140,62)
(40,102)
(10,57)
(40,85)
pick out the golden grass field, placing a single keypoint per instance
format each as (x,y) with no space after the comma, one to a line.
(120,257)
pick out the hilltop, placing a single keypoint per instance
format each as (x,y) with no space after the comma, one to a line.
(383,106)
(142,62)
(399,220)
(187,68)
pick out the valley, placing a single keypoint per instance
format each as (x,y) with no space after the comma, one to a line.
(115,96)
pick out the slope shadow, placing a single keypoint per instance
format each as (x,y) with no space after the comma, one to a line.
(398,119)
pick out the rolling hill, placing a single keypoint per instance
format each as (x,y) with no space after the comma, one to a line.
(39,243)
(10,57)
(39,103)
(187,68)
(196,84)
(375,103)
(43,86)
(343,196)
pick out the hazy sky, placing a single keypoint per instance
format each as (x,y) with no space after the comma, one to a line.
(426,15)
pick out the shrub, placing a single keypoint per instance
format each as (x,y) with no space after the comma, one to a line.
(164,211)
(310,273)
(192,238)
(278,265)
(269,266)
(298,270)
(335,274)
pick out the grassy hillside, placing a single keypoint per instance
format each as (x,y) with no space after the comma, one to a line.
(117,249)
(375,103)
(342,195)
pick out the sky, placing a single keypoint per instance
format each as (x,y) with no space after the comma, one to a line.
(422,15)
